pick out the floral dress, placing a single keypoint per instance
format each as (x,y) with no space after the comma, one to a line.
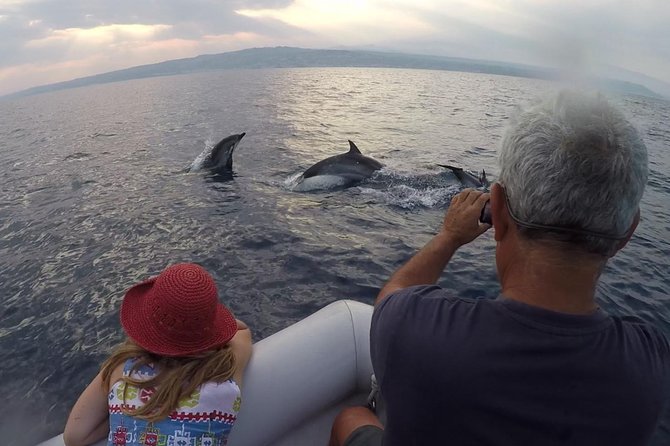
(203,419)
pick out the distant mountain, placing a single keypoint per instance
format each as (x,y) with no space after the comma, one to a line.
(287,57)
(653,84)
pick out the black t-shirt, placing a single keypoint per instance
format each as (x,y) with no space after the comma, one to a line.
(456,371)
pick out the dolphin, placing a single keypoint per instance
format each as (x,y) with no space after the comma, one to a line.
(466,178)
(219,157)
(342,170)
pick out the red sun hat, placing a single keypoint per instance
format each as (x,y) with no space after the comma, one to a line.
(177,313)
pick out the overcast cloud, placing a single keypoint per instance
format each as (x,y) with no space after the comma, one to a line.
(45,41)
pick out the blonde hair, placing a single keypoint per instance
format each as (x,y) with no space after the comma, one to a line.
(177,378)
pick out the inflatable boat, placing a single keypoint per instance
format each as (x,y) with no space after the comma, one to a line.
(299,378)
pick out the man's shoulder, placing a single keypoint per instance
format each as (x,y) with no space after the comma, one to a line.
(424,295)
(427,307)
(408,323)
(635,328)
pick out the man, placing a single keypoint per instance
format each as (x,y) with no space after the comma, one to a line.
(542,364)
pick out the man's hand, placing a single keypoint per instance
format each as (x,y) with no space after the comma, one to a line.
(461,223)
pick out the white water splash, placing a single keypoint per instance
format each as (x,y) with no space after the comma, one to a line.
(408,197)
(200,159)
(290,182)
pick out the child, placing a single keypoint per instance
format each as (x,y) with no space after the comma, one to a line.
(176,379)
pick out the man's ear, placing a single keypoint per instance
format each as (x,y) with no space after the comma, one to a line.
(629,234)
(499,215)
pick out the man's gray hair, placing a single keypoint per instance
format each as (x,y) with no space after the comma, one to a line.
(574,161)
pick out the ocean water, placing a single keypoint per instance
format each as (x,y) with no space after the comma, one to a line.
(94,198)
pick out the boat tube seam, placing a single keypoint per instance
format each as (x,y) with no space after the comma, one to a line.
(353,330)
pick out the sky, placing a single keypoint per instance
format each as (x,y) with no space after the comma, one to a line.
(46,41)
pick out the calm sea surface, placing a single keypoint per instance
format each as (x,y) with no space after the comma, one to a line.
(92,200)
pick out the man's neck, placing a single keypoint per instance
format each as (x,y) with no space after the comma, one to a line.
(544,279)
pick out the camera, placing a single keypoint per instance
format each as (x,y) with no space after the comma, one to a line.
(485,216)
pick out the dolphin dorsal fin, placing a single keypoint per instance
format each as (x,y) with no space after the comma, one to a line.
(353,148)
(451,167)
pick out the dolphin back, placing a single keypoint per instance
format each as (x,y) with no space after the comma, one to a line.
(352,166)
(466,178)
(340,165)
(219,157)
(222,153)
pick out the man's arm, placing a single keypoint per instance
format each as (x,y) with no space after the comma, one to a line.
(461,226)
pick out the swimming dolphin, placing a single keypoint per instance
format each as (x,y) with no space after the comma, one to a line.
(466,178)
(219,157)
(342,170)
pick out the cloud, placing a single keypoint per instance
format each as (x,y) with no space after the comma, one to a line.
(579,35)
(346,21)
(130,44)
(572,34)
(99,35)
(40,39)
